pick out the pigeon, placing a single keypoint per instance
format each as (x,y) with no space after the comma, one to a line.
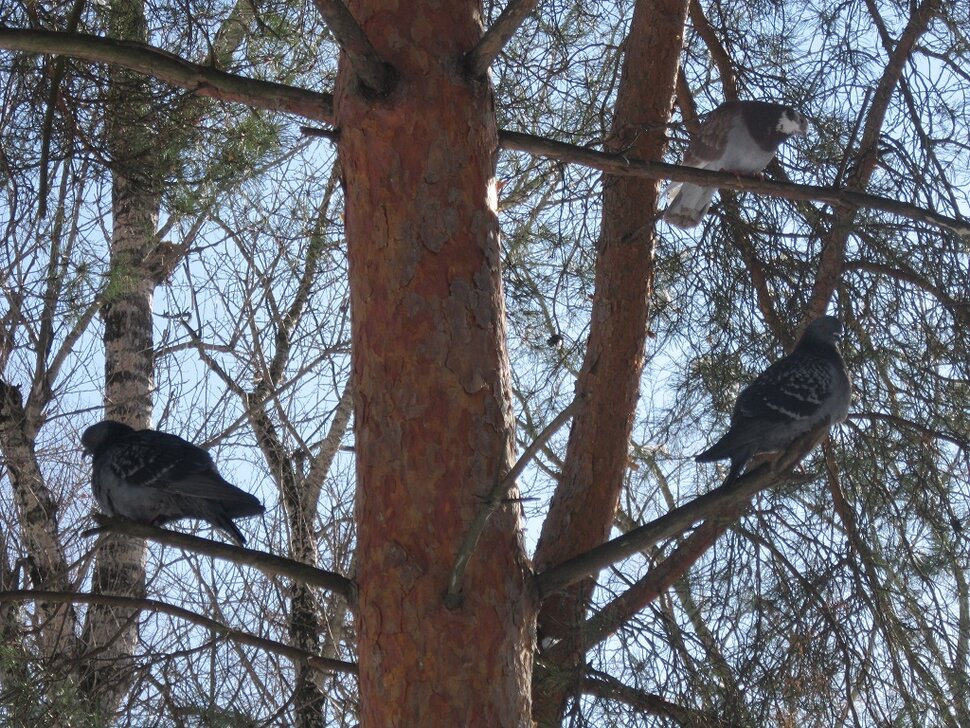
(806,389)
(155,477)
(739,137)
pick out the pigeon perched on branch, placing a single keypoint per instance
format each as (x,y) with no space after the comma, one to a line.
(805,390)
(155,477)
(738,136)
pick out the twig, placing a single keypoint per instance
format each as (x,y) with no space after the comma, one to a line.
(839,176)
(479,58)
(676,521)
(322,664)
(267,563)
(494,499)
(370,68)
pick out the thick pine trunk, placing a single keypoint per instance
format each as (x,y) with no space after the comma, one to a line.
(432,401)
(582,510)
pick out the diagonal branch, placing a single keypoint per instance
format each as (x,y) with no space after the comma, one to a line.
(722,59)
(494,499)
(267,563)
(678,520)
(501,31)
(608,687)
(322,664)
(370,68)
(167,67)
(659,578)
(832,255)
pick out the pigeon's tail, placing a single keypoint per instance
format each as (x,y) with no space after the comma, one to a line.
(218,517)
(229,527)
(689,205)
(722,450)
(243,505)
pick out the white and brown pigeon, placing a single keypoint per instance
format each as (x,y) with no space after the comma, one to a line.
(806,389)
(155,477)
(739,137)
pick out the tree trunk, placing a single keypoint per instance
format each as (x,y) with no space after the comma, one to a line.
(583,508)
(37,516)
(431,374)
(111,633)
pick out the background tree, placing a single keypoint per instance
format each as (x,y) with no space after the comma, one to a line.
(838,597)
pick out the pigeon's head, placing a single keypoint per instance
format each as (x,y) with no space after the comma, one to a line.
(99,436)
(792,122)
(826,329)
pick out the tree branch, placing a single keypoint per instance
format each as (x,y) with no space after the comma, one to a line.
(659,578)
(717,50)
(620,165)
(494,499)
(211,83)
(370,68)
(322,664)
(608,687)
(167,67)
(479,58)
(829,271)
(267,563)
(678,520)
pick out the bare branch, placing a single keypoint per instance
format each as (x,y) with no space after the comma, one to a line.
(267,563)
(606,686)
(215,84)
(501,31)
(167,67)
(323,664)
(678,520)
(618,164)
(370,68)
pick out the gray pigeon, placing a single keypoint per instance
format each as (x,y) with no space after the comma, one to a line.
(796,394)
(155,477)
(738,136)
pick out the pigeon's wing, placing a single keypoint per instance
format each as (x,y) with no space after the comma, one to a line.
(194,474)
(152,459)
(791,389)
(161,460)
(708,143)
(210,486)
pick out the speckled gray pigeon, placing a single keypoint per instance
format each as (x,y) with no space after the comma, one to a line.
(155,477)
(738,136)
(808,388)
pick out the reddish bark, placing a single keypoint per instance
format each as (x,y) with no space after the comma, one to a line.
(433,417)
(583,507)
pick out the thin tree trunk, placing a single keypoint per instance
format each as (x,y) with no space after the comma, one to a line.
(37,517)
(584,504)
(111,633)
(431,379)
